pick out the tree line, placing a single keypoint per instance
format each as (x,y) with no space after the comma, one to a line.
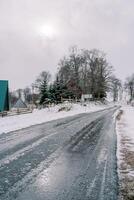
(82,71)
(129,86)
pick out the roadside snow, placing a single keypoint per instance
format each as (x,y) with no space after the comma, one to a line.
(125,128)
(129,125)
(17,122)
(125,151)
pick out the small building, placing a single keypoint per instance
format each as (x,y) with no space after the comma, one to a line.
(86,97)
(4,96)
(19,104)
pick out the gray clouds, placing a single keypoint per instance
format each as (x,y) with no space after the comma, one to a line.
(24,52)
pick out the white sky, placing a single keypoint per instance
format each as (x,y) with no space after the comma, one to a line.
(35,34)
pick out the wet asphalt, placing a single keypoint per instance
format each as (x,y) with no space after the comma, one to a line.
(68,159)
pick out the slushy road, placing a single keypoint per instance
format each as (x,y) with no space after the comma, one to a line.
(68,159)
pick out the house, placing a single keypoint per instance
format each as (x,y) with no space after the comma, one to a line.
(86,97)
(19,104)
(4,96)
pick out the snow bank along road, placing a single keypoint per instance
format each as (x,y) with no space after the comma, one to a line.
(71,158)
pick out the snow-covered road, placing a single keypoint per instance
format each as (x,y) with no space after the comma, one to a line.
(70,158)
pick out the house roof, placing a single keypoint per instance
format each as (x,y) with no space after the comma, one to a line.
(20,104)
(4,98)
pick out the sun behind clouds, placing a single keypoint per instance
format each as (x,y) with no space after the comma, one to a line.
(49,31)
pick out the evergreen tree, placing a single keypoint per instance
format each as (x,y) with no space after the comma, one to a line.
(51,94)
(59,91)
(43,92)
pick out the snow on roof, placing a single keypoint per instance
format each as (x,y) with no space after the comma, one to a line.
(20,104)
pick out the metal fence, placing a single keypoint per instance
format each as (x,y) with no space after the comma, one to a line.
(15,112)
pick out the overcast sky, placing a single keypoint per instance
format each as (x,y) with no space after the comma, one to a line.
(35,34)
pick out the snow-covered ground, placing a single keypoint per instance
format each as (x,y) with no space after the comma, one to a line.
(125,153)
(17,122)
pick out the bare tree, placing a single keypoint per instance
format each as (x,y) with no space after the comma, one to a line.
(129,85)
(88,70)
(13,98)
(116,87)
(19,93)
(97,73)
(27,94)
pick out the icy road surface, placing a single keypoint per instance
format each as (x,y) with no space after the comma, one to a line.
(68,159)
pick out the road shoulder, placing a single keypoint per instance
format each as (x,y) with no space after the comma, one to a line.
(125,135)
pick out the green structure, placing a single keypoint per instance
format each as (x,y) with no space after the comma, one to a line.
(4,96)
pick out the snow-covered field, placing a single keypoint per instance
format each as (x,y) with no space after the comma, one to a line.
(17,122)
(125,135)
